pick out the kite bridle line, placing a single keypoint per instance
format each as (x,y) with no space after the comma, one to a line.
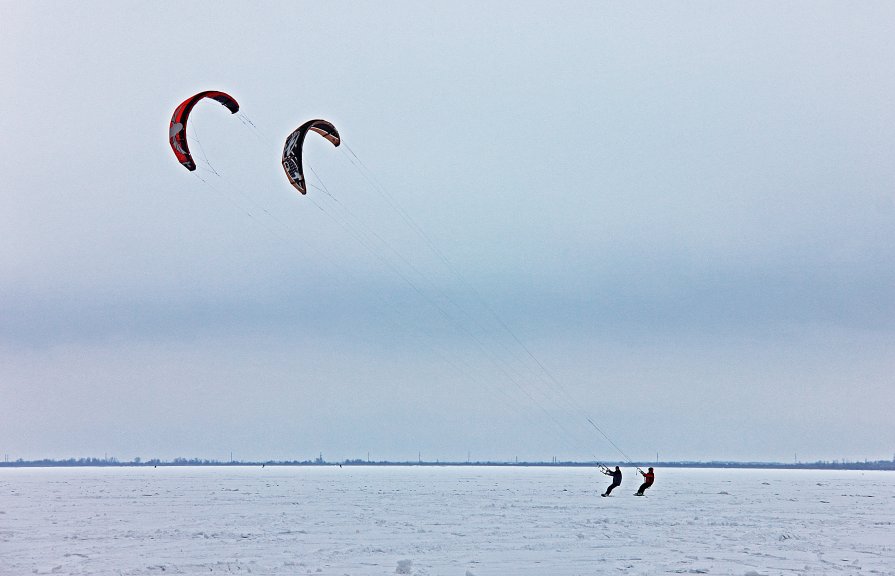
(547,377)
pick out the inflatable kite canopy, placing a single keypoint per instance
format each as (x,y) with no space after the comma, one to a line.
(177,131)
(292,162)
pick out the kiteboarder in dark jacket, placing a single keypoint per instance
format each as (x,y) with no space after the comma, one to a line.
(648,478)
(616,479)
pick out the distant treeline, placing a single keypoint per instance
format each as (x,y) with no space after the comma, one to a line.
(137,462)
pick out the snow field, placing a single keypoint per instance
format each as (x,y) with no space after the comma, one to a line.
(464,521)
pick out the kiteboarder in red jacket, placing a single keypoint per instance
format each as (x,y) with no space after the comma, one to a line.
(648,478)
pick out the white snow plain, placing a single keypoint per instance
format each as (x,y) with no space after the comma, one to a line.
(459,521)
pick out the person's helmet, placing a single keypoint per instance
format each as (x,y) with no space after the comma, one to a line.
(650,469)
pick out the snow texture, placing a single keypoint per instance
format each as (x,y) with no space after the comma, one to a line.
(442,521)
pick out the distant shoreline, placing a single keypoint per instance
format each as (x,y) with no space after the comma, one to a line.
(114,463)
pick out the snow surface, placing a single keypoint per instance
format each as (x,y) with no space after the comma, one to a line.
(464,521)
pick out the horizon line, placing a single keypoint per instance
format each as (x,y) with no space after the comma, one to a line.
(320,461)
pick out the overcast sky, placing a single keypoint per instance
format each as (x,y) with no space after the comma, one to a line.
(674,219)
